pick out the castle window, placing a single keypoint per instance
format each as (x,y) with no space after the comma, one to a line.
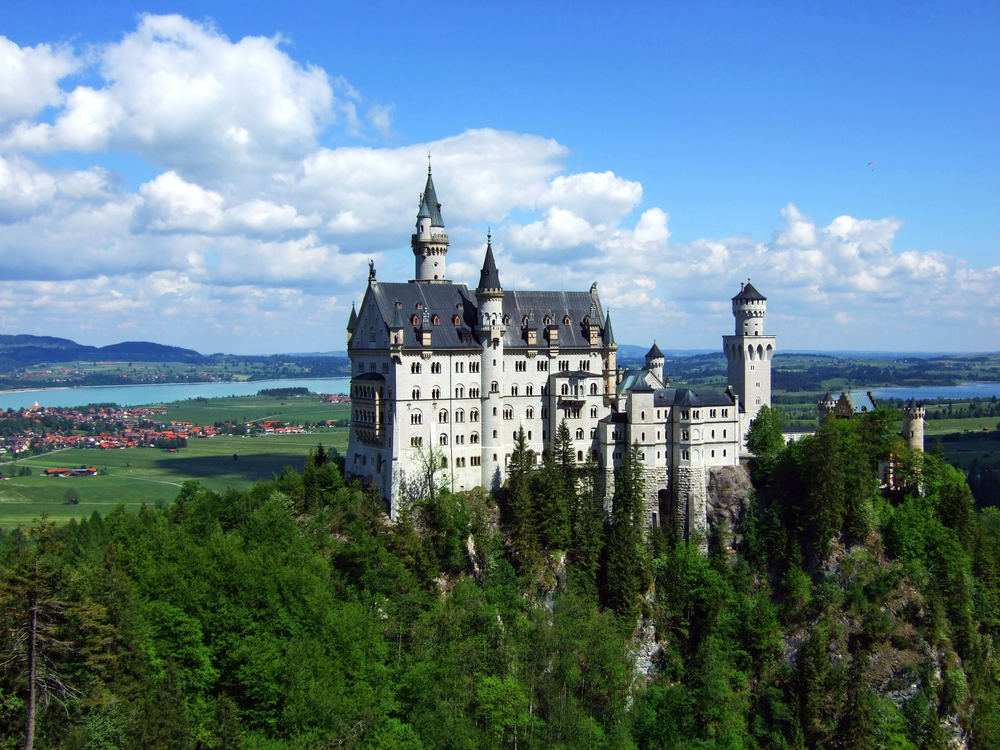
(713,454)
(415,320)
(593,432)
(713,434)
(711,412)
(520,366)
(684,415)
(420,305)
(416,418)
(685,455)
(435,393)
(579,433)
(494,437)
(416,442)
(436,320)
(508,413)
(564,390)
(529,413)
(459,415)
(543,365)
(685,435)
(494,387)
(435,368)
(459,439)
(579,456)
(723,433)
(415,368)
(475,460)
(506,320)
(563,365)
(474,415)
(593,412)
(443,440)
(474,366)
(593,389)
(529,390)
(723,452)
(474,437)
(566,320)
(548,320)
(459,391)
(725,412)
(457,320)
(513,390)
(473,391)
(415,394)
(459,366)
(524,321)
(443,416)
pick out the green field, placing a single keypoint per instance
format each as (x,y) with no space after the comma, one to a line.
(293,410)
(150,475)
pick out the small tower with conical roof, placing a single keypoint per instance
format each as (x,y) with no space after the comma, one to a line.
(913,425)
(352,323)
(610,356)
(826,405)
(748,353)
(430,243)
(655,362)
(491,329)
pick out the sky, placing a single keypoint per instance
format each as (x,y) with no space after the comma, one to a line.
(217,175)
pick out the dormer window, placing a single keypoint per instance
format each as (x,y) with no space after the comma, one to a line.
(415,320)
(566,320)
(420,305)
(548,320)
(436,320)
(457,320)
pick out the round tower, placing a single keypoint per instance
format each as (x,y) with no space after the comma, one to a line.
(655,362)
(825,406)
(749,352)
(430,243)
(491,330)
(913,425)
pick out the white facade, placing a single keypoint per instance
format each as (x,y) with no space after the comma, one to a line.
(438,367)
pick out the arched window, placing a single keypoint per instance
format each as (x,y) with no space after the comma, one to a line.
(459,391)
(435,393)
(474,415)
(513,390)
(548,320)
(565,389)
(473,391)
(494,387)
(566,320)
(415,394)
(593,412)
(443,416)
(593,389)
(416,418)
(529,390)
(443,440)
(579,456)
(474,437)
(508,412)
(435,368)
(415,368)
(459,415)
(529,413)
(579,433)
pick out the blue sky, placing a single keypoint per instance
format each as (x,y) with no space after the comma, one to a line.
(217,175)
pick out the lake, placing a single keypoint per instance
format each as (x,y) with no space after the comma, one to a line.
(134,395)
(924,392)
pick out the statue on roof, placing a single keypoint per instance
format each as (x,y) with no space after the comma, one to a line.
(371,268)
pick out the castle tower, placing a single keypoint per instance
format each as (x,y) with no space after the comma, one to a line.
(430,243)
(749,353)
(913,425)
(655,362)
(610,356)
(826,405)
(491,330)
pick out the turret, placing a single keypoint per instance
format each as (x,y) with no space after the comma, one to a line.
(611,374)
(655,362)
(430,243)
(826,405)
(913,425)
(352,323)
(491,329)
(748,353)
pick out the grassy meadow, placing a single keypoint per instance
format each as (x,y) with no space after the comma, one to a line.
(153,476)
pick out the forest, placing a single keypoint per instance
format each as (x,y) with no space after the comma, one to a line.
(854,605)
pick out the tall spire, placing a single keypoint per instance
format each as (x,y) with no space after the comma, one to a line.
(430,243)
(489,277)
(429,206)
(609,335)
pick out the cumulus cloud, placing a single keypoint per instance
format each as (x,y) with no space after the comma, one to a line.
(29,77)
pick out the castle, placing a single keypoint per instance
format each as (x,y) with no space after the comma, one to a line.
(444,376)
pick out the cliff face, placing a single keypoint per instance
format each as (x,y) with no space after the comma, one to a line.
(728,493)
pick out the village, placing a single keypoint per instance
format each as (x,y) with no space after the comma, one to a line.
(40,429)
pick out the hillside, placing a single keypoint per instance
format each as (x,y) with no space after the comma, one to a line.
(294,614)
(24,350)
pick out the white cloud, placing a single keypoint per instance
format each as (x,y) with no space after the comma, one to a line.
(29,77)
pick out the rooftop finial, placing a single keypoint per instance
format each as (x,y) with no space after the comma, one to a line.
(489,236)
(428,162)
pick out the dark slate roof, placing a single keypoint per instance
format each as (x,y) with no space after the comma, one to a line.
(442,300)
(688,397)
(353,320)
(609,335)
(748,292)
(557,306)
(489,277)
(429,206)
(397,317)
(654,352)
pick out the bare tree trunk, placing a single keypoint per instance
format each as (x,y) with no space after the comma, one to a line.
(29,740)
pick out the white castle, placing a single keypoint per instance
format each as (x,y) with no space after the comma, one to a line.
(438,367)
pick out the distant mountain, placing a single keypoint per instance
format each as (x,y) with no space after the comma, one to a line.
(24,350)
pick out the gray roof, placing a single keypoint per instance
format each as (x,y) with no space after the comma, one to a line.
(860,401)
(448,300)
(609,335)
(429,206)
(689,397)
(748,292)
(654,352)
(352,322)
(489,277)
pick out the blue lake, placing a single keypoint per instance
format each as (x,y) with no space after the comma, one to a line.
(134,395)
(920,393)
